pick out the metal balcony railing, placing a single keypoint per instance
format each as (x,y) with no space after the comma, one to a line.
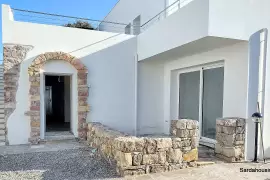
(64,20)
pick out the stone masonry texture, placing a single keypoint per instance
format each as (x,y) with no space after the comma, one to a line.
(151,154)
(230,136)
(13,56)
(34,92)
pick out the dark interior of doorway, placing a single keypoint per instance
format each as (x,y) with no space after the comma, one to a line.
(55,101)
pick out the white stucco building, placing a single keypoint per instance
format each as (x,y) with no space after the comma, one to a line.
(186,59)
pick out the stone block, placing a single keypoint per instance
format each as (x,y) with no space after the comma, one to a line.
(191,156)
(181,124)
(218,148)
(238,143)
(150,145)
(35,118)
(158,168)
(161,157)
(35,108)
(173,124)
(229,129)
(182,133)
(137,159)
(186,149)
(228,159)
(35,123)
(225,139)
(176,143)
(35,98)
(186,143)
(34,90)
(219,129)
(240,137)
(164,143)
(83,108)
(241,122)
(230,122)
(193,132)
(194,142)
(150,159)
(173,132)
(231,151)
(192,124)
(139,144)
(174,155)
(240,130)
(123,159)
(219,122)
(129,144)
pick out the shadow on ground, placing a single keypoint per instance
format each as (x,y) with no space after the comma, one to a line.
(68,164)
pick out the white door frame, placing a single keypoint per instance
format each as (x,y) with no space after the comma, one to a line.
(43,106)
(203,140)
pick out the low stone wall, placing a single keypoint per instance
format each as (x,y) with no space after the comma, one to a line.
(151,154)
(230,136)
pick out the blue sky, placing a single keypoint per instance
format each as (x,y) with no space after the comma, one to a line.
(94,9)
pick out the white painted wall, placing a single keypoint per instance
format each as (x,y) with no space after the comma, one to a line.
(180,28)
(125,11)
(80,43)
(150,93)
(67,86)
(227,18)
(112,86)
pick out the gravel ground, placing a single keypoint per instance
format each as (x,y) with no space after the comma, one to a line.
(67,164)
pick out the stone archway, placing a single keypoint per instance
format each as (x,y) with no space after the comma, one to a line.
(34,92)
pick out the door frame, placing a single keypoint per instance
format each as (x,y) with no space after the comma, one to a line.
(43,106)
(203,140)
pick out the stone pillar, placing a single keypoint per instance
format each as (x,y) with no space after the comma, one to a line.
(187,131)
(230,138)
(186,134)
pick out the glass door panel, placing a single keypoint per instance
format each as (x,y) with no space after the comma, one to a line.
(189,93)
(212,100)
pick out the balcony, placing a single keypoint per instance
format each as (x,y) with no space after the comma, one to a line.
(195,21)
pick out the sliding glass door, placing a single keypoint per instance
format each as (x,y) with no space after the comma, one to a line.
(201,98)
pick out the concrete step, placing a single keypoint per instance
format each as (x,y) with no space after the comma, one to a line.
(58,136)
(2,116)
(2,143)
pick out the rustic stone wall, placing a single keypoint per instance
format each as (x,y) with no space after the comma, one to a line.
(230,138)
(188,131)
(34,92)
(13,56)
(142,155)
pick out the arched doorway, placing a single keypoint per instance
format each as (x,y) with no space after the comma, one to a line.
(37,89)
